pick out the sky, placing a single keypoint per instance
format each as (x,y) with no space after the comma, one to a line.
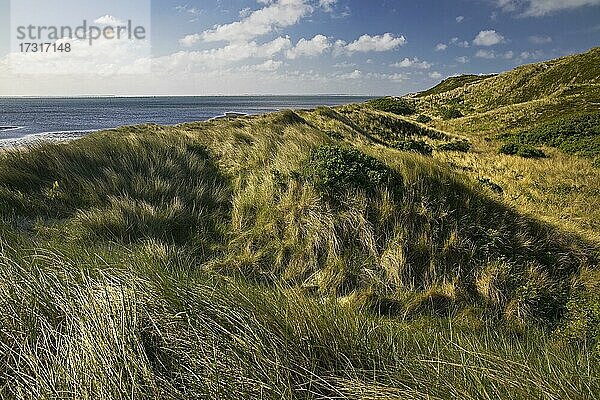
(246,47)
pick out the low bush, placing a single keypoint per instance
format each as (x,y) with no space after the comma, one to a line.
(579,135)
(424,119)
(451,113)
(337,169)
(521,150)
(462,145)
(417,146)
(392,105)
(530,152)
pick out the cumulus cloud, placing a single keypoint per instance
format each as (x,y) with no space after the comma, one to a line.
(412,63)
(368,43)
(530,55)
(540,8)
(105,58)
(491,54)
(223,56)
(441,47)
(435,75)
(460,19)
(460,43)
(276,14)
(462,59)
(190,40)
(310,48)
(109,20)
(540,39)
(488,38)
(267,66)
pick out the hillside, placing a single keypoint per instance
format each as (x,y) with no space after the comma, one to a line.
(343,252)
(576,75)
(452,83)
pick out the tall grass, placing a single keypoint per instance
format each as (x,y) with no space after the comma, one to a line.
(267,257)
(144,328)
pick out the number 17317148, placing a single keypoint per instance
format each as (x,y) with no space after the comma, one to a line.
(45,47)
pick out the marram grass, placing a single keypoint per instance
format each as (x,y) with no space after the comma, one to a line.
(297,255)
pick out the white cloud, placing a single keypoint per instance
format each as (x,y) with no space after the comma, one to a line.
(367,43)
(310,48)
(227,55)
(276,14)
(441,47)
(488,38)
(105,58)
(460,19)
(356,74)
(491,54)
(190,40)
(267,66)
(435,75)
(460,43)
(191,11)
(327,5)
(539,8)
(344,64)
(487,54)
(539,39)
(530,55)
(109,20)
(412,63)
(462,59)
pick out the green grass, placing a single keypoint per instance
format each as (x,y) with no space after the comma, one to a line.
(139,323)
(578,135)
(453,83)
(302,255)
(394,106)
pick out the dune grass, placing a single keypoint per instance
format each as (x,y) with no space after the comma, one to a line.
(284,256)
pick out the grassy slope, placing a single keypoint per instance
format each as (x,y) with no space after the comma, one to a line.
(209,260)
(562,190)
(111,245)
(452,83)
(568,76)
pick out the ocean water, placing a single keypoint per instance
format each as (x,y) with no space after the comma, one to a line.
(24,120)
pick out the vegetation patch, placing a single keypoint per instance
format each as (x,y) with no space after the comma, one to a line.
(416,146)
(461,145)
(338,169)
(424,119)
(451,112)
(579,135)
(392,105)
(521,150)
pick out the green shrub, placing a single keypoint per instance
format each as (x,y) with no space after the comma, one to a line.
(337,169)
(530,152)
(392,105)
(579,135)
(424,119)
(510,149)
(582,319)
(417,146)
(462,145)
(451,113)
(521,150)
(597,163)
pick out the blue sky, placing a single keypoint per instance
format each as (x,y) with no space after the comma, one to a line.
(310,46)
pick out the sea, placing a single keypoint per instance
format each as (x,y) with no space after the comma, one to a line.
(27,120)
